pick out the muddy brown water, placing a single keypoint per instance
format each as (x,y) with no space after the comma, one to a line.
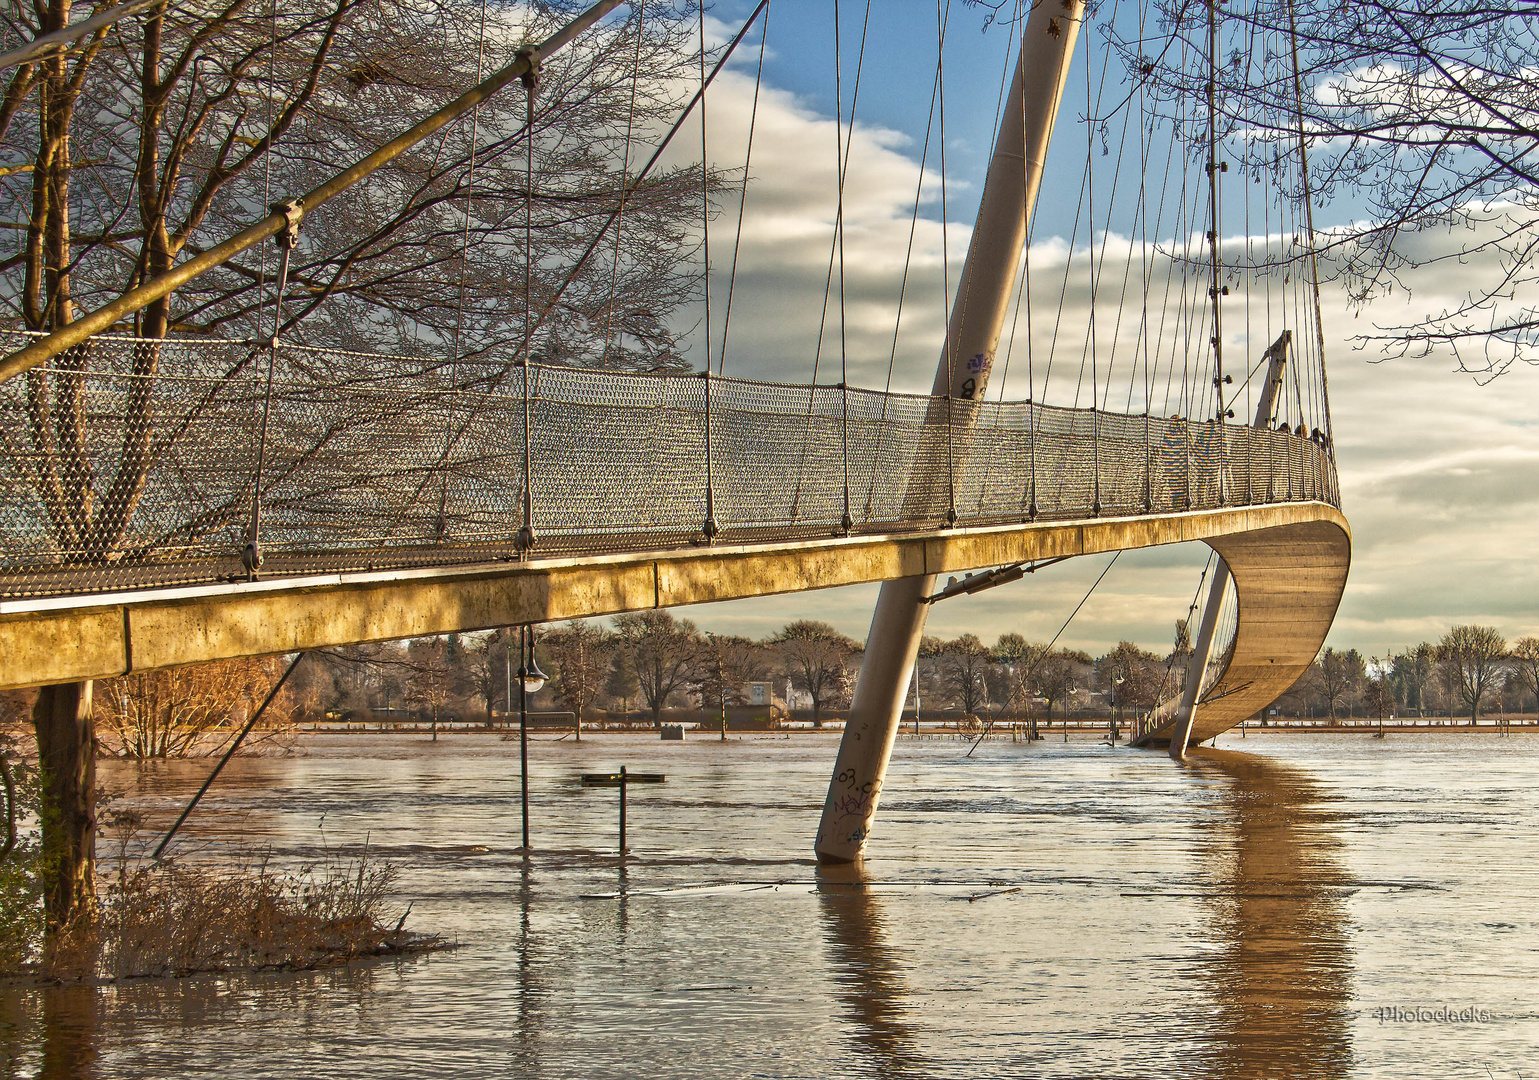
(1288,906)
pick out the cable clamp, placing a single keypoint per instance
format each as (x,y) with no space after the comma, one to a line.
(530,77)
(293,211)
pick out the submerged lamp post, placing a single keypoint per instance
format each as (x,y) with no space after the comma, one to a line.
(530,680)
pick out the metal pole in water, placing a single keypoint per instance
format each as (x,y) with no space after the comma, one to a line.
(523,732)
(623,785)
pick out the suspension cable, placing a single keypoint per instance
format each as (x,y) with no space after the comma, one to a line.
(705,189)
(251,553)
(940,75)
(742,206)
(450,434)
(524,542)
(582,260)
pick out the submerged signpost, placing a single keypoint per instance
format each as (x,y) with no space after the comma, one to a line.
(621,780)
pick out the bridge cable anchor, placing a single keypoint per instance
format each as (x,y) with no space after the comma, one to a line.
(530,77)
(293,211)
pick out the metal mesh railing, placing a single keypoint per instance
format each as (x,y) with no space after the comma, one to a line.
(133,464)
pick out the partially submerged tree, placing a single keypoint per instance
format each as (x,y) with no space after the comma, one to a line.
(489,660)
(1413,675)
(1338,678)
(579,657)
(724,666)
(1130,677)
(1019,659)
(1472,660)
(435,675)
(620,681)
(1052,680)
(965,663)
(662,651)
(189,711)
(1378,693)
(818,658)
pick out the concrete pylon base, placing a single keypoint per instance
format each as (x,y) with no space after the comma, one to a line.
(875,713)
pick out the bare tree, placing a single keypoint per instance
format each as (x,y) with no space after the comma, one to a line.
(1472,660)
(487,660)
(436,675)
(1052,680)
(1525,664)
(965,664)
(189,711)
(1019,659)
(620,681)
(1413,676)
(724,667)
(1378,694)
(188,120)
(1337,677)
(1130,677)
(818,657)
(662,652)
(1418,115)
(579,653)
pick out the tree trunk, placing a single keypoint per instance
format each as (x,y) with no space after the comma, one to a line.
(66,745)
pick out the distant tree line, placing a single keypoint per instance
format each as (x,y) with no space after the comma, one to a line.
(1469,670)
(638,666)
(645,663)
(651,661)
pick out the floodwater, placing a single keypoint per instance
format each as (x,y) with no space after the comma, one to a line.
(1287,906)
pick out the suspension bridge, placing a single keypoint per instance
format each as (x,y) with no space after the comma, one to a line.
(166,502)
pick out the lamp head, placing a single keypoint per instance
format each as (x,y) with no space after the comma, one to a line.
(532,677)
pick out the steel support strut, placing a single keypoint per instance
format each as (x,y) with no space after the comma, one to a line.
(972,336)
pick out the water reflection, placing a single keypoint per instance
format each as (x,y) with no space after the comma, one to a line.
(69,1033)
(867,971)
(1282,975)
(526,1054)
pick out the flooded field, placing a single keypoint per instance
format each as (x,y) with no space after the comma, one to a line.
(1286,906)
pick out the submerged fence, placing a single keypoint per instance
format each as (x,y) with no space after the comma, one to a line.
(135,464)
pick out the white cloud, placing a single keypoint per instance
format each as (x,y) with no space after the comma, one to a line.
(1439,476)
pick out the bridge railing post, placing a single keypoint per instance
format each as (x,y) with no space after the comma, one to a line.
(1148,463)
(708,527)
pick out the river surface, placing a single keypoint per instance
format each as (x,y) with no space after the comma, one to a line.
(1286,906)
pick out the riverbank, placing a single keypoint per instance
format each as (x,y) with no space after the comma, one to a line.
(999,729)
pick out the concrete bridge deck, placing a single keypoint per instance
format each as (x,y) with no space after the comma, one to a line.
(1290,564)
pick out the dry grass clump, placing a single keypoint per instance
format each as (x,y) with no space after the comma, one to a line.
(169,919)
(161,920)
